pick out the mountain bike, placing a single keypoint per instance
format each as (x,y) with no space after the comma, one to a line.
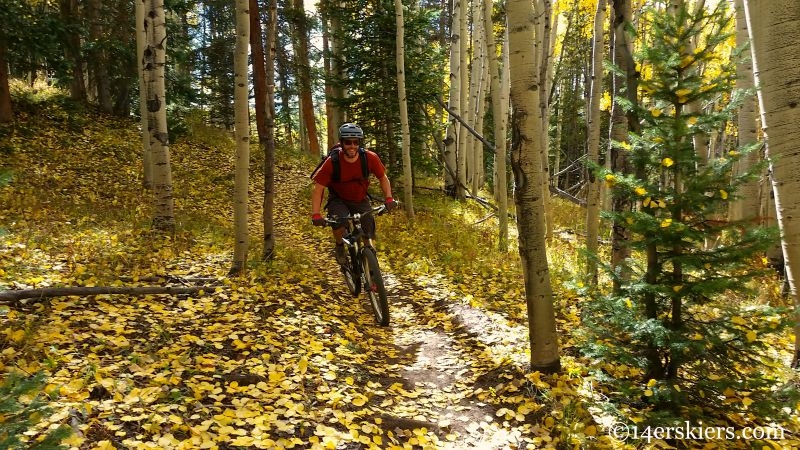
(361,269)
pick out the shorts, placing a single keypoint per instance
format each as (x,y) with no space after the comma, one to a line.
(341,208)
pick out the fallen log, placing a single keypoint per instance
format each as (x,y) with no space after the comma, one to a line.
(16,295)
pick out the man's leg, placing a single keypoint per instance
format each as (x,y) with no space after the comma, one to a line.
(368,221)
(336,209)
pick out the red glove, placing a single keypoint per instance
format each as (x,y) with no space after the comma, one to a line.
(390,204)
(318,220)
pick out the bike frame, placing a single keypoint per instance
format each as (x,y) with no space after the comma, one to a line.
(363,269)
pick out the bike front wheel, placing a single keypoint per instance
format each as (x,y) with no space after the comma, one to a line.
(351,272)
(373,285)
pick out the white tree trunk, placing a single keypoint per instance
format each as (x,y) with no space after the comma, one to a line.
(241,90)
(747,205)
(474,118)
(408,184)
(596,90)
(454,104)
(529,178)
(501,183)
(463,137)
(154,61)
(141,44)
(775,34)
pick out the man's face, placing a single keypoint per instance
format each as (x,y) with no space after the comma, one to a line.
(350,146)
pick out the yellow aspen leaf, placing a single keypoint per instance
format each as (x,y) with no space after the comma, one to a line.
(629,303)
(686,61)
(667,162)
(329,375)
(738,320)
(677,288)
(751,336)
(656,112)
(666,223)
(302,365)
(104,445)
(377,439)
(605,101)
(723,194)
(747,401)
(652,382)
(359,400)
(17,336)
(729,392)
(611,180)
(648,393)
(640,191)
(549,422)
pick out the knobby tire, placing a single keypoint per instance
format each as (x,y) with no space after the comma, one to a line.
(351,272)
(376,291)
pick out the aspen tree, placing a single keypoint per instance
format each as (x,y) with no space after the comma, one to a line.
(526,161)
(242,137)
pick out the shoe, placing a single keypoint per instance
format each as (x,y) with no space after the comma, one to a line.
(341,256)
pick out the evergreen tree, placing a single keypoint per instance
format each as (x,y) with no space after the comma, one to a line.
(367,61)
(689,351)
(23,405)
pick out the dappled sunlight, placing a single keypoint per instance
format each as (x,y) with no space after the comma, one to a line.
(282,356)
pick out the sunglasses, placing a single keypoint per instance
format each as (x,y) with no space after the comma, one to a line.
(350,142)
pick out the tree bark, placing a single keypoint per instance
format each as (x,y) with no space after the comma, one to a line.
(154,62)
(6,113)
(72,48)
(621,123)
(454,104)
(14,296)
(269,143)
(775,34)
(98,58)
(242,135)
(498,112)
(304,77)
(141,44)
(593,194)
(528,175)
(463,138)
(408,184)
(748,204)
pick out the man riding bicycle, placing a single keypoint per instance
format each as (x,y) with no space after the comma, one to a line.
(346,173)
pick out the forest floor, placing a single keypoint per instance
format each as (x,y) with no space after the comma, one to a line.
(284,356)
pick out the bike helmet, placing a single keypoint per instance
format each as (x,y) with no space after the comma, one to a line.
(350,130)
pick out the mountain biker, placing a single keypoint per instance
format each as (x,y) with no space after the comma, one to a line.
(348,193)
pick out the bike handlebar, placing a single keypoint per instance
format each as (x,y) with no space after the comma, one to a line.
(377,210)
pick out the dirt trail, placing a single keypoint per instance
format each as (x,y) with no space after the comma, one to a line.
(439,362)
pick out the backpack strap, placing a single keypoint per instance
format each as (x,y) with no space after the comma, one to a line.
(337,170)
(336,176)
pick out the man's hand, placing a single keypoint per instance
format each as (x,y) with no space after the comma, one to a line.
(318,220)
(390,204)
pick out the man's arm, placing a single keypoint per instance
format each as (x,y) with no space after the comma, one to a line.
(316,198)
(386,187)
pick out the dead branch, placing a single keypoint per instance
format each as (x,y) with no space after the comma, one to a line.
(16,295)
(477,135)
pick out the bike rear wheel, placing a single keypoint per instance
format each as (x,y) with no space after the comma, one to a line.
(351,272)
(373,285)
